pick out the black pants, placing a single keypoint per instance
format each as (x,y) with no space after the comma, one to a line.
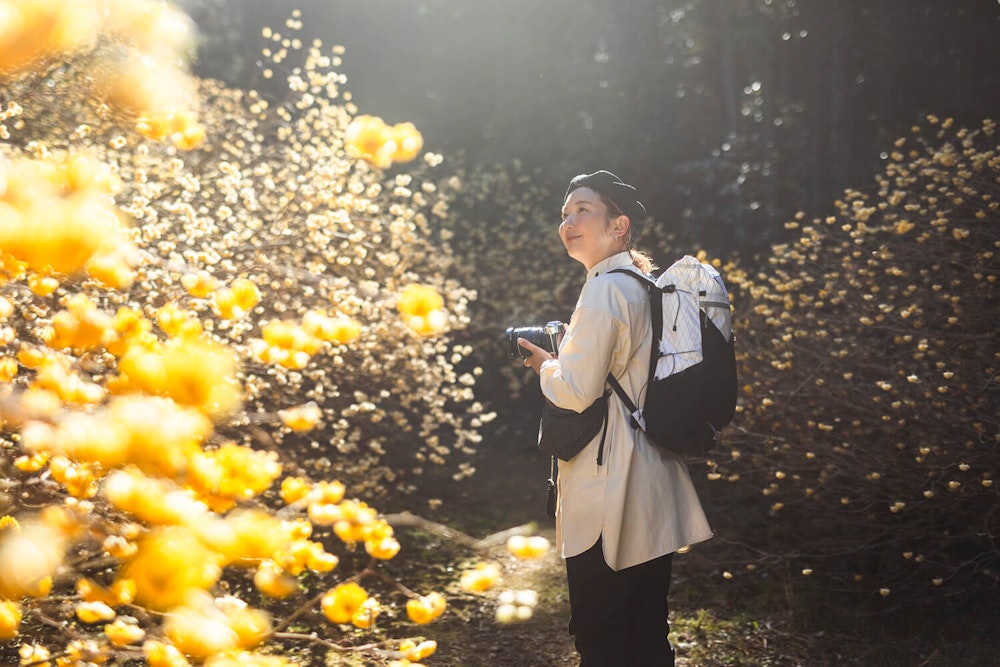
(619,619)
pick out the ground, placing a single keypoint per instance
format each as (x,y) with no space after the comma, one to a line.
(714,622)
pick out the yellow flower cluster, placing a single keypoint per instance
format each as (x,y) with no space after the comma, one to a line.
(31,31)
(371,139)
(230,474)
(171,564)
(426,608)
(82,326)
(180,125)
(233,302)
(203,627)
(422,308)
(30,552)
(177,322)
(152,433)
(527,548)
(515,606)
(301,418)
(413,651)
(150,83)
(199,284)
(56,216)
(130,327)
(346,604)
(124,632)
(163,654)
(194,372)
(482,578)
(10,619)
(354,521)
(79,479)
(124,402)
(119,593)
(293,345)
(55,376)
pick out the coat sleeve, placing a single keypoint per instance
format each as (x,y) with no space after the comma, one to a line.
(577,378)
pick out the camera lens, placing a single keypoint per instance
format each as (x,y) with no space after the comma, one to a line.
(535,335)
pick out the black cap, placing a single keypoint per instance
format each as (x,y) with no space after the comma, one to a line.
(612,187)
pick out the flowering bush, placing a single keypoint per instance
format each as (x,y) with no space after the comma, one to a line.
(219,325)
(868,358)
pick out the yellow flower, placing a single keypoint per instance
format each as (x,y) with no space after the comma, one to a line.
(170,564)
(382,548)
(30,556)
(341,603)
(58,215)
(232,473)
(112,268)
(422,308)
(8,368)
(199,631)
(94,612)
(81,326)
(301,417)
(10,619)
(527,548)
(123,632)
(199,285)
(408,142)
(356,519)
(484,577)
(44,28)
(339,329)
(192,371)
(413,651)
(426,608)
(273,581)
(294,489)
(366,137)
(163,654)
(365,616)
(121,592)
(176,321)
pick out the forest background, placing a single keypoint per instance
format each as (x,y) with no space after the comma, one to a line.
(837,162)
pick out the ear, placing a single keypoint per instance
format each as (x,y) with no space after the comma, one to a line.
(622,225)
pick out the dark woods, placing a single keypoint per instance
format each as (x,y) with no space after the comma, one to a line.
(729,116)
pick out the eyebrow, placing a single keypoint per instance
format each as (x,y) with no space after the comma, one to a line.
(578,202)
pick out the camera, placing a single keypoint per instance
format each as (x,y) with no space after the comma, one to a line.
(546,337)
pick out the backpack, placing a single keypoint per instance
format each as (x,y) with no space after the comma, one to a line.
(691,388)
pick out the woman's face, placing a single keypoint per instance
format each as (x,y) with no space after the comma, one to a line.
(587,230)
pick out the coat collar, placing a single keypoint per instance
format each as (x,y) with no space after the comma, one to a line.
(619,260)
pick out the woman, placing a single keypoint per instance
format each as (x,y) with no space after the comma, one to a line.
(618,520)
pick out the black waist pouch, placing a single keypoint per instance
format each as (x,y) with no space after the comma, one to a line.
(565,432)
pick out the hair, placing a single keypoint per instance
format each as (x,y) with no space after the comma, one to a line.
(640,260)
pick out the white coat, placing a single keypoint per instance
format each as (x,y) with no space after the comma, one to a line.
(641,499)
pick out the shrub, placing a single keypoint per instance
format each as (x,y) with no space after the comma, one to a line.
(865,453)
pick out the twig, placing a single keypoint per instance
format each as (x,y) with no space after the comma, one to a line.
(298,612)
(377,647)
(406,519)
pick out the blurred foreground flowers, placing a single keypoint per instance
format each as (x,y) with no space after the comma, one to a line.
(202,351)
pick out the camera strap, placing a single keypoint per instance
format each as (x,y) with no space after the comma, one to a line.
(604,432)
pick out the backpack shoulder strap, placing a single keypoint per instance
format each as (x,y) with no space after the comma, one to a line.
(656,319)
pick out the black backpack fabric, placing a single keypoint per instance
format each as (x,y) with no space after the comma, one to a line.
(690,393)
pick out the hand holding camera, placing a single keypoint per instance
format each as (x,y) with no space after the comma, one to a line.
(534,344)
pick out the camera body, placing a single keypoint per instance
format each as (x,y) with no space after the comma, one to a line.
(546,337)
